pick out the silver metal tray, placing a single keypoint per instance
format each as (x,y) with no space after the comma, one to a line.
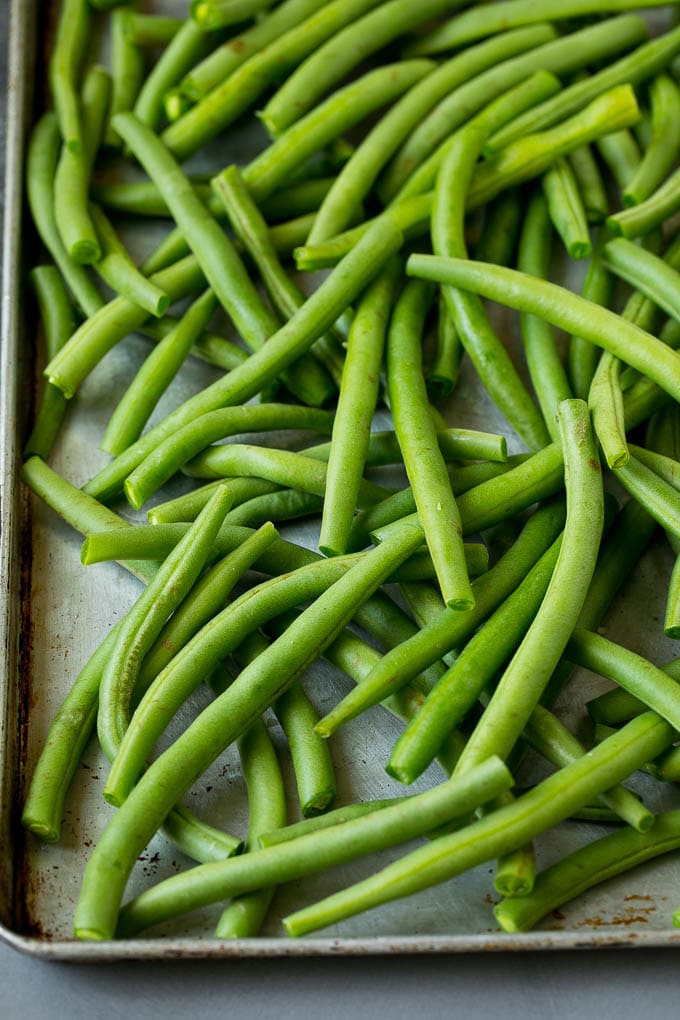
(54,613)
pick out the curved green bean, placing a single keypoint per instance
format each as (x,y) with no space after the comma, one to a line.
(649,273)
(172,453)
(567,211)
(127,72)
(641,219)
(596,862)
(590,184)
(566,310)
(72,176)
(661,152)
(522,684)
(59,321)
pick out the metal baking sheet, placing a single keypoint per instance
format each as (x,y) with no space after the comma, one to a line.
(54,613)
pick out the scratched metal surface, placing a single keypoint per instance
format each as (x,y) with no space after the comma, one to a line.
(55,613)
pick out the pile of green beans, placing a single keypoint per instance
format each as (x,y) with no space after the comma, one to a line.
(433,160)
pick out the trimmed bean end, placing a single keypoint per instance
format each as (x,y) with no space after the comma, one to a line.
(85,253)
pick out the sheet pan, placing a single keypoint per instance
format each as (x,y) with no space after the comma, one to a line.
(54,613)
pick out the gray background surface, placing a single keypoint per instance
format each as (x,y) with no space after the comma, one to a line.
(642,983)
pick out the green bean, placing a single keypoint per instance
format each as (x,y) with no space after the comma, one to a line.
(58,318)
(480,659)
(284,467)
(590,183)
(73,31)
(596,862)
(485,504)
(79,510)
(567,211)
(243,917)
(661,152)
(144,621)
(111,323)
(127,73)
(551,738)
(318,313)
(356,658)
(637,675)
(606,405)
(209,347)
(649,273)
(118,270)
(583,356)
(312,763)
(319,822)
(71,180)
(561,55)
(442,374)
(150,29)
(619,705)
(296,199)
(500,230)
(41,164)
(340,54)
(492,362)
(644,62)
(417,438)
(621,153)
(187,46)
(187,506)
(223,721)
(233,95)
(212,14)
(207,597)
(531,154)
(223,61)
(477,23)
(450,628)
(153,378)
(549,803)
(530,669)
(142,198)
(355,410)
(218,259)
(386,826)
(655,494)
(644,397)
(648,215)
(251,229)
(355,179)
(170,455)
(564,309)
(540,347)
(341,111)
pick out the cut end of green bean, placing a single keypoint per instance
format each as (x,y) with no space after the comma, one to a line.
(320,803)
(85,252)
(580,250)
(45,833)
(512,885)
